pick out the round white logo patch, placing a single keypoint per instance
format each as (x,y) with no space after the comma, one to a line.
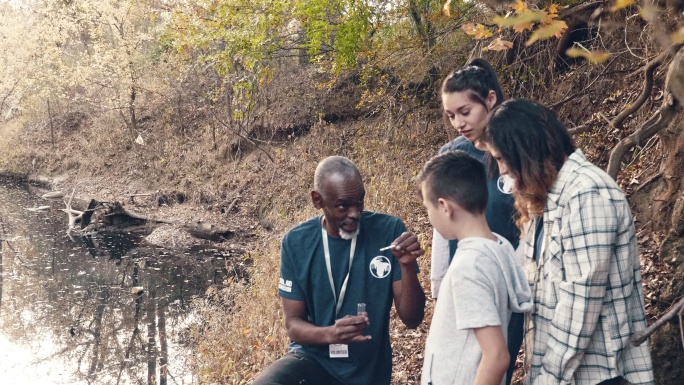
(380,266)
(505,184)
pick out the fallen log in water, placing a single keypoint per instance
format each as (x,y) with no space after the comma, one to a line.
(208,231)
(87,216)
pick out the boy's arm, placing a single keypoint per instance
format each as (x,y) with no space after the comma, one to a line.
(495,357)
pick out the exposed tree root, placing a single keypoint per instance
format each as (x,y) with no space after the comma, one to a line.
(673,98)
(657,122)
(645,93)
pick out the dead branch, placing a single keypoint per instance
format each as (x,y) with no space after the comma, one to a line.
(579,129)
(233,203)
(117,210)
(74,215)
(649,181)
(645,93)
(639,338)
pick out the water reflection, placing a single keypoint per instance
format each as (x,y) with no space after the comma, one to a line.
(71,311)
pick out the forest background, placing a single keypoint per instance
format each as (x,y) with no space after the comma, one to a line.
(223,108)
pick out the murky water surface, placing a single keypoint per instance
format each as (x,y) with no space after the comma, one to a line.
(71,310)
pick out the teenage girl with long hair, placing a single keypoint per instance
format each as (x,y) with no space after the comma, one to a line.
(468,95)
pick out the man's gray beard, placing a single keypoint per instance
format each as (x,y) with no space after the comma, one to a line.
(347,235)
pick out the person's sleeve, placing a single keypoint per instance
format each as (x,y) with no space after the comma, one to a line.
(474,294)
(589,226)
(460,143)
(439,262)
(288,285)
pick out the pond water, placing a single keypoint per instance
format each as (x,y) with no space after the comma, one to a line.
(71,311)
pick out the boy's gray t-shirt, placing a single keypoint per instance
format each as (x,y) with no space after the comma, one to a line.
(475,293)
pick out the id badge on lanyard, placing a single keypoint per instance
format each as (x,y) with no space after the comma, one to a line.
(338,350)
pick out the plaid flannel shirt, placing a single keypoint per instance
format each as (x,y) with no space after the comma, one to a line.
(587,286)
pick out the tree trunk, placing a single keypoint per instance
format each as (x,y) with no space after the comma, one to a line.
(164,354)
(151,340)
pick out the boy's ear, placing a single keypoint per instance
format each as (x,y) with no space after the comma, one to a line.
(449,207)
(445,206)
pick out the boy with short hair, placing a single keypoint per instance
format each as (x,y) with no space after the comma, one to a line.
(483,285)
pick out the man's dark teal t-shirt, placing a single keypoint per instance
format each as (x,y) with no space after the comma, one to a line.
(304,277)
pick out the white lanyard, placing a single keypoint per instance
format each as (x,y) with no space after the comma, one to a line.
(343,291)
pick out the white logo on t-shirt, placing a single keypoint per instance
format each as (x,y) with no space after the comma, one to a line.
(285,285)
(380,267)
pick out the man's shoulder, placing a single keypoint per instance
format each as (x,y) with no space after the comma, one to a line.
(309,228)
(377,220)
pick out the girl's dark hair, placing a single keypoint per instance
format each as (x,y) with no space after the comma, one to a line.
(535,145)
(476,78)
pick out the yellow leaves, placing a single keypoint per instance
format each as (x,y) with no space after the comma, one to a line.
(552,11)
(523,18)
(519,7)
(592,56)
(554,29)
(621,4)
(520,28)
(648,12)
(546,22)
(477,31)
(499,44)
(678,37)
(447,8)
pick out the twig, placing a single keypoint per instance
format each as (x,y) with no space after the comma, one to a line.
(579,129)
(74,215)
(233,203)
(640,337)
(649,181)
(604,117)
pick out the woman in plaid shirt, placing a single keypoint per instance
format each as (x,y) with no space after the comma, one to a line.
(580,254)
